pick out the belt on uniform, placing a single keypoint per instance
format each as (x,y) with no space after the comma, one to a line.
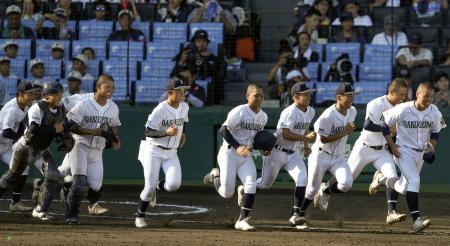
(377,147)
(284,150)
(417,150)
(326,152)
(164,148)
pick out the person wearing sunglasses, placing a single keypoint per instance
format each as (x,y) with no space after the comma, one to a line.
(101,10)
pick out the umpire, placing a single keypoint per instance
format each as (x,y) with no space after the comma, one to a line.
(47,122)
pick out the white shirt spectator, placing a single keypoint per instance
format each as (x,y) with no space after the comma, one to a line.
(400,39)
(314,35)
(280,79)
(424,54)
(307,53)
(363,20)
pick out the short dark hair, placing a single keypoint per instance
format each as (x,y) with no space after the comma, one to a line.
(311,12)
(305,33)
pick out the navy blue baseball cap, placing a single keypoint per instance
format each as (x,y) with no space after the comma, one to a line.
(27,87)
(176,83)
(200,34)
(300,88)
(345,89)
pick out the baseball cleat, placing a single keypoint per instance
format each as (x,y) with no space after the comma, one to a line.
(96,209)
(421,224)
(209,178)
(321,199)
(72,220)
(240,193)
(243,225)
(394,217)
(376,182)
(41,215)
(19,207)
(296,219)
(140,222)
(302,224)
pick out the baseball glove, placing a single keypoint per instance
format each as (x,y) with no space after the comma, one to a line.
(109,135)
(428,155)
(66,143)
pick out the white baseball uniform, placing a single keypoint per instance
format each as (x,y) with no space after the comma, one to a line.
(329,156)
(371,146)
(69,103)
(86,155)
(243,125)
(10,118)
(157,153)
(414,129)
(286,153)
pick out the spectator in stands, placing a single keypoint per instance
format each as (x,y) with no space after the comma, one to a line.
(385,3)
(347,34)
(312,20)
(59,31)
(174,11)
(404,73)
(11,49)
(89,53)
(30,12)
(211,11)
(58,51)
(391,34)
(196,96)
(445,58)
(80,64)
(74,80)
(37,70)
(414,55)
(324,8)
(5,69)
(72,14)
(352,6)
(197,55)
(101,10)
(428,8)
(14,28)
(278,75)
(442,96)
(303,48)
(126,32)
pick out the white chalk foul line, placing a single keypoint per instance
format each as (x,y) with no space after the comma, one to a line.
(184,209)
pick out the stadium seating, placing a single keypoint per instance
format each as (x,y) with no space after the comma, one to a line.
(92,67)
(326,91)
(162,50)
(334,50)
(326,66)
(215,31)
(11,87)
(313,71)
(52,68)
(122,50)
(156,68)
(372,71)
(24,51)
(86,85)
(381,54)
(95,30)
(144,26)
(18,67)
(44,47)
(98,46)
(174,32)
(149,90)
(118,69)
(369,90)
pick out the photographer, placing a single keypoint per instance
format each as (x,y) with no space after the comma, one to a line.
(285,64)
(340,70)
(197,55)
(173,11)
(59,31)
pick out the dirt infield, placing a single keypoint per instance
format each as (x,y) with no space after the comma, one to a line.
(198,216)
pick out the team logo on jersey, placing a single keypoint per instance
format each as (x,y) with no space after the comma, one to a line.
(337,129)
(96,119)
(301,125)
(169,123)
(251,126)
(417,124)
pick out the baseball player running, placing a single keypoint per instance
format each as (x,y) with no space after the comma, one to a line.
(292,129)
(371,148)
(85,159)
(165,133)
(46,122)
(418,124)
(333,128)
(235,154)
(11,127)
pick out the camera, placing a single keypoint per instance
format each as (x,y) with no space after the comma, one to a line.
(196,61)
(341,70)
